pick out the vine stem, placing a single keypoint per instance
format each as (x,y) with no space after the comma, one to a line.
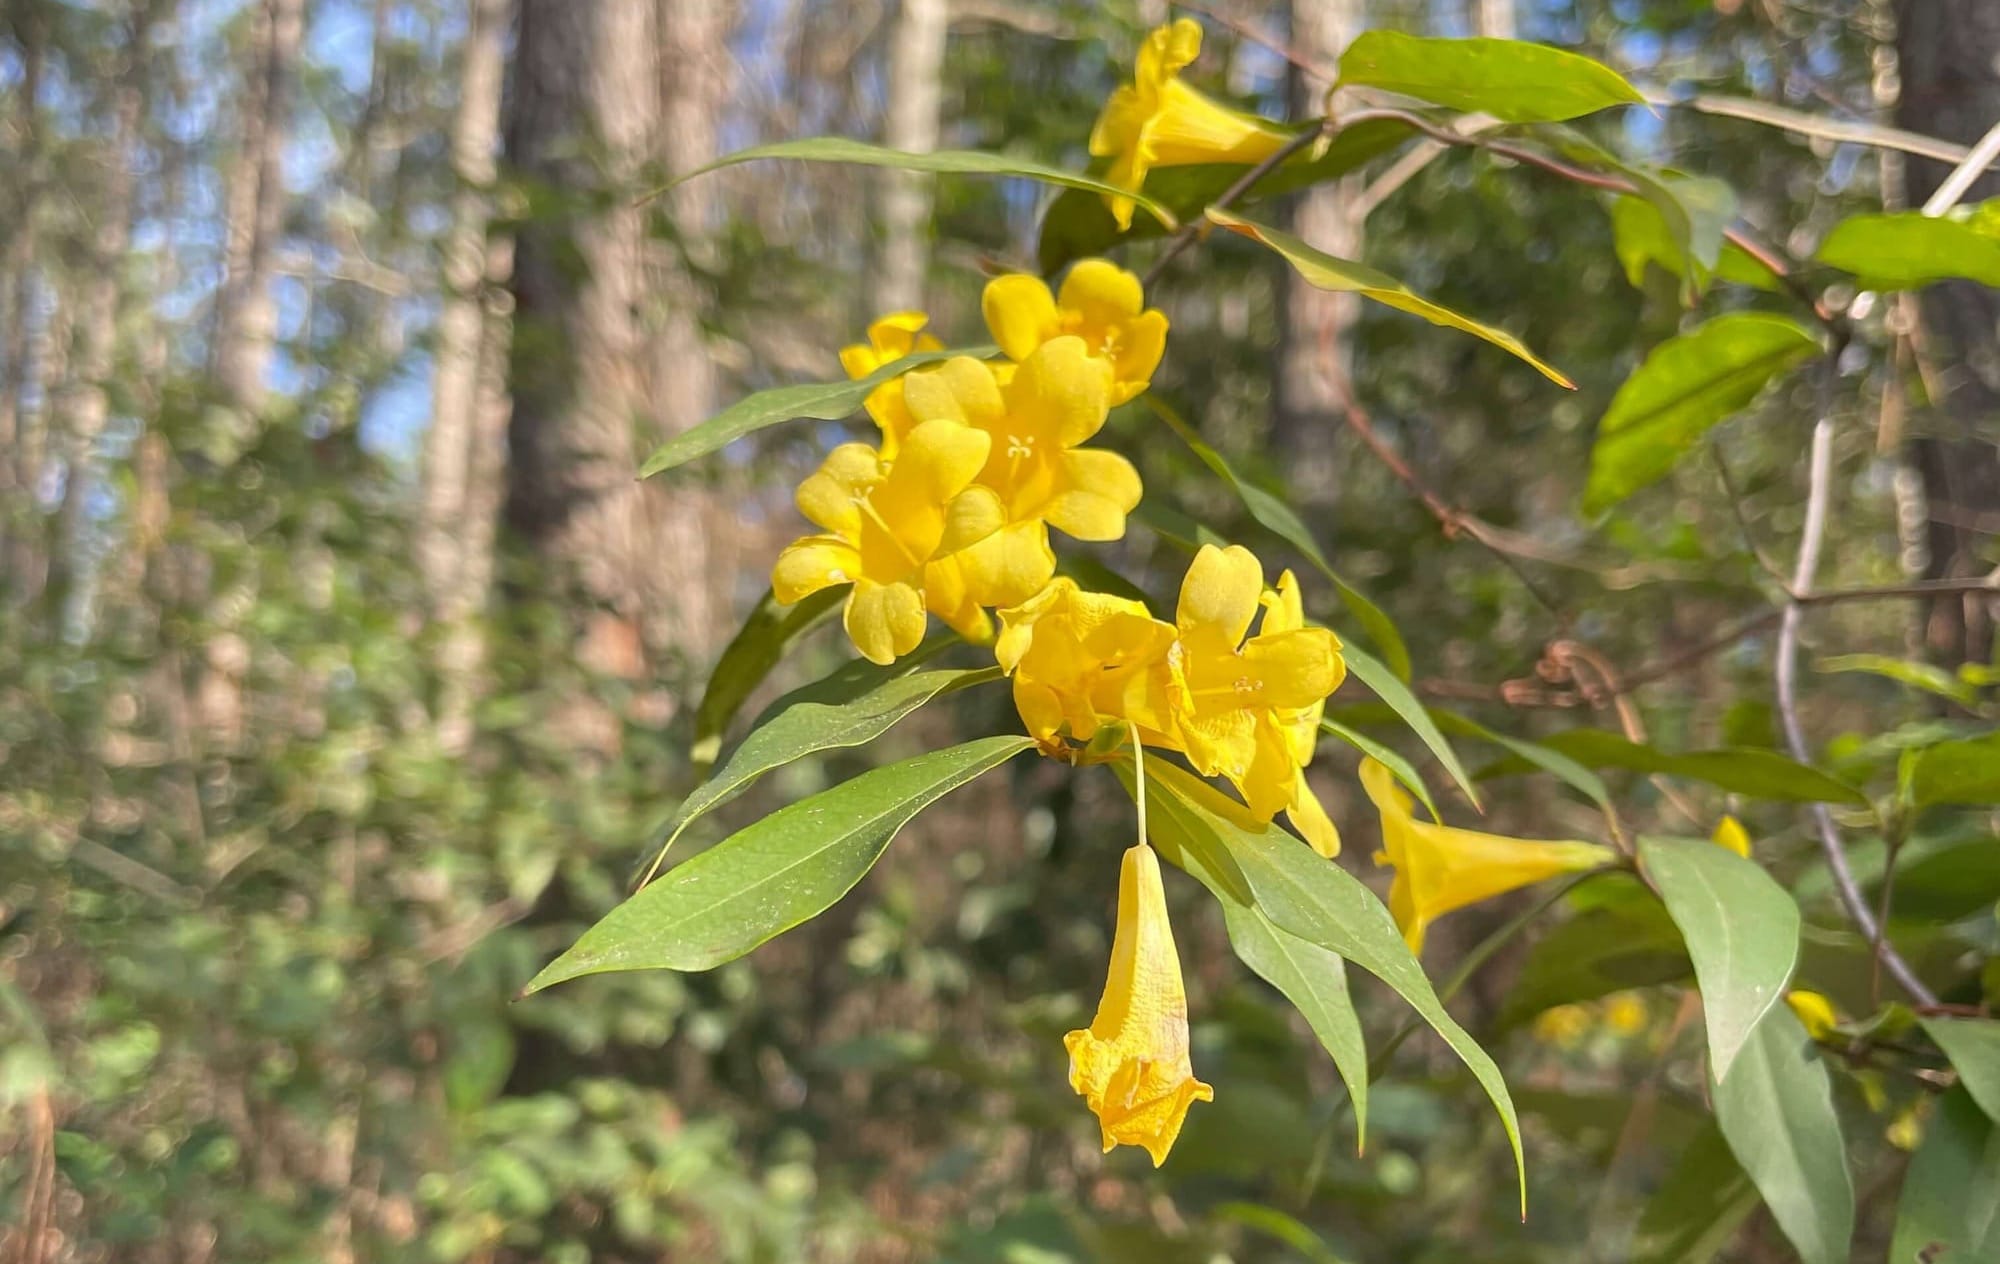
(1818,494)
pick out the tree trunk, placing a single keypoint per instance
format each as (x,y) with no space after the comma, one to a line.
(916,68)
(1496,19)
(1315,346)
(450,529)
(1949,56)
(22,294)
(246,307)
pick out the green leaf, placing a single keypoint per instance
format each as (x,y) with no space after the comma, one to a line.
(1741,929)
(819,401)
(1950,1208)
(1512,80)
(1973,1045)
(1549,760)
(1642,234)
(944,162)
(1698,1209)
(785,869)
(1387,756)
(1078,225)
(758,646)
(1746,770)
(1371,672)
(1948,882)
(1280,1225)
(1685,387)
(1626,939)
(1776,1110)
(1308,897)
(1905,250)
(1928,677)
(853,707)
(1326,272)
(1966,771)
(1281,520)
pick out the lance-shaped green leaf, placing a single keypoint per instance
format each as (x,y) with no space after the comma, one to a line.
(943,162)
(1747,770)
(1704,1200)
(1323,904)
(787,868)
(1512,80)
(1950,1206)
(1313,979)
(1928,677)
(1642,234)
(1973,1045)
(817,401)
(758,646)
(1324,271)
(1964,771)
(1387,756)
(1776,1110)
(853,707)
(1684,388)
(1531,754)
(1280,519)
(1373,673)
(1905,250)
(1741,929)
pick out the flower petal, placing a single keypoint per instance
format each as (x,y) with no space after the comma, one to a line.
(1020,312)
(1100,488)
(1219,596)
(1009,566)
(961,389)
(808,565)
(1294,669)
(972,515)
(885,621)
(1309,818)
(938,460)
(831,496)
(1141,343)
(1061,391)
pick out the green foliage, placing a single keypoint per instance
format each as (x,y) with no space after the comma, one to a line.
(1907,250)
(1511,80)
(1952,1187)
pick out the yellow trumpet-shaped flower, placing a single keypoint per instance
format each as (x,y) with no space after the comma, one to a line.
(1037,419)
(1099,302)
(1729,832)
(890,338)
(892,529)
(1439,869)
(1814,1011)
(1158,121)
(1250,707)
(1131,1064)
(1080,659)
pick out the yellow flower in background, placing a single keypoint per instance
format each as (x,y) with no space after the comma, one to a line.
(890,338)
(1038,419)
(1815,1012)
(890,531)
(1250,707)
(1080,659)
(1563,1026)
(1729,832)
(1131,1064)
(1099,302)
(1625,1014)
(1440,869)
(1158,121)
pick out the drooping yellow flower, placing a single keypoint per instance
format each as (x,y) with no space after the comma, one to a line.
(892,530)
(1080,659)
(1250,707)
(1729,832)
(1815,1012)
(1440,869)
(1100,302)
(1037,418)
(890,338)
(1158,121)
(1131,1064)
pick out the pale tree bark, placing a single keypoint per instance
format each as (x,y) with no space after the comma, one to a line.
(446,528)
(910,123)
(1496,18)
(246,307)
(94,357)
(1316,335)
(1949,59)
(22,285)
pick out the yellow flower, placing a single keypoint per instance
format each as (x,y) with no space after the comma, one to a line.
(1100,302)
(1131,1064)
(1037,418)
(1625,1013)
(1815,1012)
(1081,659)
(890,338)
(1564,1026)
(1729,832)
(1440,869)
(1158,121)
(892,529)
(1250,708)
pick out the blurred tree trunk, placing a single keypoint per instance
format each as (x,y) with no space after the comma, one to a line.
(447,532)
(21,297)
(1496,18)
(95,357)
(1949,55)
(246,308)
(1315,351)
(916,68)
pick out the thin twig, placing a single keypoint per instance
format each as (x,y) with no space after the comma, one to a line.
(1916,588)
(1742,520)
(1804,124)
(1962,177)
(1244,183)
